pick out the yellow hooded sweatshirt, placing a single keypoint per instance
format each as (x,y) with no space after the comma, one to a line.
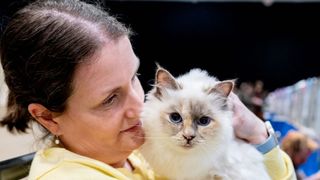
(59,164)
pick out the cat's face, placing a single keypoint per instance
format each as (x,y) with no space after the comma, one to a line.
(190,122)
(190,113)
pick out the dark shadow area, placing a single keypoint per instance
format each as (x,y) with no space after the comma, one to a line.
(249,41)
(16,168)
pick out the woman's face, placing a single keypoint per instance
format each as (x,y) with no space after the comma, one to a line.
(102,116)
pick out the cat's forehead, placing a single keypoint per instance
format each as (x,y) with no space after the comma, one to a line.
(197,104)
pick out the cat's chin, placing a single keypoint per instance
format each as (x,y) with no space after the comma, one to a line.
(187,147)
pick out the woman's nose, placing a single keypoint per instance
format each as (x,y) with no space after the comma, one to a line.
(134,104)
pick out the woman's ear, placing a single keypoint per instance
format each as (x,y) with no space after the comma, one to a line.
(44,117)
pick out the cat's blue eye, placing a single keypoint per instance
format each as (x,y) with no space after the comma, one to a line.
(175,118)
(204,121)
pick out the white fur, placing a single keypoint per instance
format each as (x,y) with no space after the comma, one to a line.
(222,156)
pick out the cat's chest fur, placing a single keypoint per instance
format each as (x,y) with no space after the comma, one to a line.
(236,161)
(189,133)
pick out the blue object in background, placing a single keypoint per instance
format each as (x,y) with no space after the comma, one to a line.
(282,127)
(312,165)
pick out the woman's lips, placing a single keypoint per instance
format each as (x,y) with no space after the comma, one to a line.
(133,128)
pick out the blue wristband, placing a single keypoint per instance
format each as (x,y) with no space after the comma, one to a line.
(270,143)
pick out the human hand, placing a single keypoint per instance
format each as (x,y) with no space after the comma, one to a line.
(247,126)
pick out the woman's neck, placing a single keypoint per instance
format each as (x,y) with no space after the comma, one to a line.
(123,164)
(128,165)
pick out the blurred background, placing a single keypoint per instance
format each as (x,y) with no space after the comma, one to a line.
(271,47)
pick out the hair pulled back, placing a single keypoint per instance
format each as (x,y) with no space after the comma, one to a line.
(41,48)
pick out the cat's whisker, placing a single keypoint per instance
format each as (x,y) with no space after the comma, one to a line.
(156,137)
(152,137)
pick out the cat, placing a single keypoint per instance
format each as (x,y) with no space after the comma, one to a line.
(189,134)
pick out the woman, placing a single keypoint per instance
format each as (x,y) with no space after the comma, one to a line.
(70,67)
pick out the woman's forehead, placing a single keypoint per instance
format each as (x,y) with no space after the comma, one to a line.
(114,64)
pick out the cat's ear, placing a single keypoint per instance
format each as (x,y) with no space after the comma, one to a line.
(223,87)
(164,80)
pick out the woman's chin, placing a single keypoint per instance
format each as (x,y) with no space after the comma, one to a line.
(133,140)
(139,139)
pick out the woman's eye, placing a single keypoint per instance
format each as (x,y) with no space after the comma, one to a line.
(204,121)
(110,100)
(175,118)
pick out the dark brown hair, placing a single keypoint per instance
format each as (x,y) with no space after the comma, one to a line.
(41,48)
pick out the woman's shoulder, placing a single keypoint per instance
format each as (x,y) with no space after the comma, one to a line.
(142,169)
(59,163)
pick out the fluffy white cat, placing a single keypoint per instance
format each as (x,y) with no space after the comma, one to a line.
(189,133)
